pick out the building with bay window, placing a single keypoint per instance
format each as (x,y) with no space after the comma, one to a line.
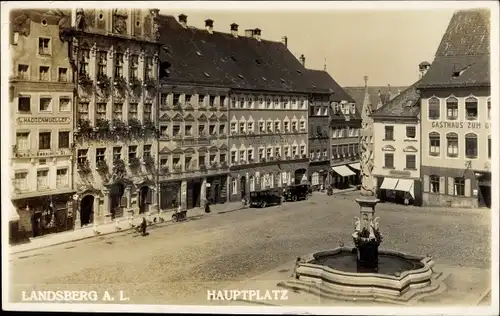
(115,57)
(455,115)
(41,103)
(396,148)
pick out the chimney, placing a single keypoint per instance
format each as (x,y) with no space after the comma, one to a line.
(256,34)
(234,29)
(209,25)
(302,59)
(183,20)
(422,68)
(365,78)
(284,40)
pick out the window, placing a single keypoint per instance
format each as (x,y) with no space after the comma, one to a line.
(132,111)
(286,126)
(83,111)
(302,150)
(294,126)
(148,112)
(21,181)
(268,103)
(250,126)
(22,141)
(233,156)
(302,126)
(277,152)
(234,101)
(213,158)
(132,152)
(233,127)
(242,103)
(261,153)
(64,104)
(452,108)
(117,153)
(148,75)
(101,111)
(164,162)
(134,67)
(222,129)
(471,145)
(261,127)
(187,163)
(411,162)
(44,140)
(452,144)
(100,154)
(82,155)
(23,72)
(269,126)
(277,126)
(459,184)
(84,61)
(389,160)
(201,130)
(176,130)
(211,129)
(411,132)
(63,75)
(188,130)
(389,133)
(242,127)
(434,108)
(118,111)
(471,108)
(234,186)
(146,151)
(222,158)
(489,146)
(318,153)
(294,151)
(434,183)
(62,178)
(42,179)
(269,153)
(164,131)
(222,101)
(44,46)
(63,140)
(211,101)
(250,155)
(242,155)
(434,144)
(45,104)
(335,152)
(201,159)
(489,109)
(44,73)
(287,151)
(118,65)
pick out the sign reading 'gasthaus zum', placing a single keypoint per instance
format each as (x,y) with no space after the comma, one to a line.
(43,120)
(460,125)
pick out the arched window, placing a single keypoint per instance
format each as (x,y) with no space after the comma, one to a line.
(452,144)
(489,109)
(434,108)
(434,144)
(471,145)
(234,186)
(434,182)
(471,109)
(452,108)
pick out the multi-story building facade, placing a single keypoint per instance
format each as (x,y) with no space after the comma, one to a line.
(41,97)
(115,57)
(396,148)
(455,115)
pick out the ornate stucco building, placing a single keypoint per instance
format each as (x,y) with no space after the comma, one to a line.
(114,54)
(456,115)
(41,114)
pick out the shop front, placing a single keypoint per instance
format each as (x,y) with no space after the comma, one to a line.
(343,177)
(170,195)
(396,190)
(216,189)
(318,176)
(356,168)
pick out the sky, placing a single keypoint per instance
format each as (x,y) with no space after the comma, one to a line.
(386,46)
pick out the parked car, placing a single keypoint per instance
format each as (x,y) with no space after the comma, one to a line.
(263,198)
(296,192)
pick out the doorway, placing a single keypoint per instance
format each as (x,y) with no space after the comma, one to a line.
(115,200)
(144,199)
(243,187)
(484,196)
(196,194)
(87,210)
(299,174)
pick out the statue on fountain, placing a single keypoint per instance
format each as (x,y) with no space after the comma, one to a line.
(367,238)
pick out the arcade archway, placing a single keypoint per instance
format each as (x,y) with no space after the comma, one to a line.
(300,175)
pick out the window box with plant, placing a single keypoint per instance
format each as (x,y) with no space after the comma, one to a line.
(149,82)
(84,167)
(178,168)
(251,160)
(84,79)
(104,82)
(203,167)
(135,86)
(263,159)
(119,168)
(103,127)
(224,164)
(84,129)
(165,170)
(149,162)
(135,127)
(150,128)
(119,128)
(223,135)
(120,82)
(214,165)
(134,163)
(102,167)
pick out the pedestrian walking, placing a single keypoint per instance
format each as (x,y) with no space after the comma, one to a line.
(407,199)
(207,206)
(144,226)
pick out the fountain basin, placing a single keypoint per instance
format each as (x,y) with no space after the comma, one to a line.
(337,270)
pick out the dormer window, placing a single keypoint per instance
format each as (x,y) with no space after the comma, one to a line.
(353,108)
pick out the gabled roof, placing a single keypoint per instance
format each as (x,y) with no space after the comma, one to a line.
(463,56)
(196,56)
(322,80)
(375,94)
(406,104)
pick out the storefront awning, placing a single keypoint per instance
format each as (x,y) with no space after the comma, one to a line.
(343,171)
(355,166)
(405,185)
(389,184)
(13,214)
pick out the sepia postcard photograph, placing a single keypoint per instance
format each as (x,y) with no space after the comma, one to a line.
(250,157)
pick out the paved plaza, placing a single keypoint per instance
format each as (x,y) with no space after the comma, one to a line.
(177,263)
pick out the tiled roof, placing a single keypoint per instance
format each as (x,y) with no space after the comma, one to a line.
(462,58)
(322,80)
(384,93)
(220,59)
(406,104)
